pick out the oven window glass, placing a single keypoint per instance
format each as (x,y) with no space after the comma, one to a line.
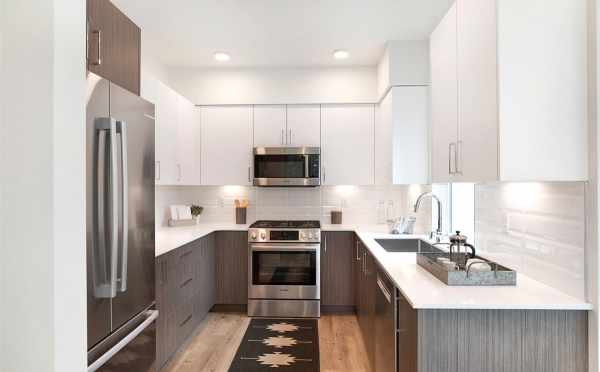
(284,268)
(279,166)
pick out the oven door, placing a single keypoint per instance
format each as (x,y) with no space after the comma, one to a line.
(294,166)
(284,271)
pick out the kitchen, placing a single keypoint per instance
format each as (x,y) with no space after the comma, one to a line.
(415,194)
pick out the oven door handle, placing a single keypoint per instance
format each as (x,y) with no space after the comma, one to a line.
(285,247)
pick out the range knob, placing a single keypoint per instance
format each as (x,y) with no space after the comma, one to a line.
(263,236)
(302,235)
(253,236)
(311,236)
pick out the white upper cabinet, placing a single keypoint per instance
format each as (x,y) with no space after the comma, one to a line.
(226,145)
(444,96)
(188,143)
(177,138)
(509,96)
(304,125)
(269,126)
(166,135)
(402,137)
(477,142)
(347,143)
(291,125)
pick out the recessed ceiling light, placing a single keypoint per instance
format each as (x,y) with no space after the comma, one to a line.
(341,54)
(222,57)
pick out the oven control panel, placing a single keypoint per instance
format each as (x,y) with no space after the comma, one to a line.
(284,235)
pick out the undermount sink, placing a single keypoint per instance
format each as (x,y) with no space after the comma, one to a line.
(404,245)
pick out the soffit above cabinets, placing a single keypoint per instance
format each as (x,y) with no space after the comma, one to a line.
(271,33)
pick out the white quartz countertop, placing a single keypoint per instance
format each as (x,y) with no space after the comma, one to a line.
(421,289)
(169,238)
(424,291)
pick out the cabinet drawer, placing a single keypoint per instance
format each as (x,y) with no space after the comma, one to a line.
(187,290)
(185,264)
(185,321)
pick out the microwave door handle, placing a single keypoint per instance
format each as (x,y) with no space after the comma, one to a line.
(306,166)
(122,130)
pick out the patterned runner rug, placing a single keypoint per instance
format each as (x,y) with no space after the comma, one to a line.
(285,344)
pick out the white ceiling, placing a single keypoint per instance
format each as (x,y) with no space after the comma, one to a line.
(300,33)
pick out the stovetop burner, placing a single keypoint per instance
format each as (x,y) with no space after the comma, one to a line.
(286,225)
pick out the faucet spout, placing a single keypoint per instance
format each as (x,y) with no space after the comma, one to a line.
(438,231)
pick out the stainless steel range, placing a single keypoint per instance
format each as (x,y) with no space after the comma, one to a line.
(284,269)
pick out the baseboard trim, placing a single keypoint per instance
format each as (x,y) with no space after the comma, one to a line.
(335,309)
(229,308)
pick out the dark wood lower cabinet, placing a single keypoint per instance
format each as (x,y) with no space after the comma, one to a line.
(456,340)
(185,292)
(337,254)
(231,258)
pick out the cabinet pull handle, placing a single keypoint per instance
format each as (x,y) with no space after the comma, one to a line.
(186,320)
(98,60)
(291,138)
(325,244)
(249,174)
(451,146)
(357,255)
(458,157)
(282,135)
(186,282)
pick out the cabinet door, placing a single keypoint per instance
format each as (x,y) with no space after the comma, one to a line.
(167,172)
(370,293)
(188,143)
(444,98)
(347,144)
(337,251)
(401,133)
(231,267)
(304,125)
(114,45)
(477,145)
(408,321)
(269,126)
(166,303)
(226,145)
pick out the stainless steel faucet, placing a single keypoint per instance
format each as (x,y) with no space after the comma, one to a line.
(437,233)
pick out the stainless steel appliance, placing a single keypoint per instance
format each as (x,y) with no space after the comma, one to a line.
(287,166)
(284,269)
(121,316)
(385,325)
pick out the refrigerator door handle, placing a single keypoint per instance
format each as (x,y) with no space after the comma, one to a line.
(106,126)
(124,245)
(151,317)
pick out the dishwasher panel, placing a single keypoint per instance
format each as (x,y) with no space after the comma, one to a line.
(385,325)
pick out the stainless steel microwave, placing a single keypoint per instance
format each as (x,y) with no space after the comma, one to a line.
(287,166)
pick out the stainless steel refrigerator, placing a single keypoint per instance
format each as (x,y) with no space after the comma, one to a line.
(121,311)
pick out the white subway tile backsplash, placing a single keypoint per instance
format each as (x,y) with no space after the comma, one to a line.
(358,203)
(535,228)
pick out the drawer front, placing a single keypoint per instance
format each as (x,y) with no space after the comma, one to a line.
(185,264)
(185,321)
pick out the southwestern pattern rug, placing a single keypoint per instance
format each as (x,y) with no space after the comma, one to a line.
(285,344)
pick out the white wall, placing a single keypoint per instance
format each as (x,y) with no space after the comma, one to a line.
(404,63)
(273,85)
(150,68)
(42,235)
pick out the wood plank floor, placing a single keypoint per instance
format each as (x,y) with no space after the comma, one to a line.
(214,344)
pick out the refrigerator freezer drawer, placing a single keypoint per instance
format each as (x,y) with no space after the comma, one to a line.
(130,348)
